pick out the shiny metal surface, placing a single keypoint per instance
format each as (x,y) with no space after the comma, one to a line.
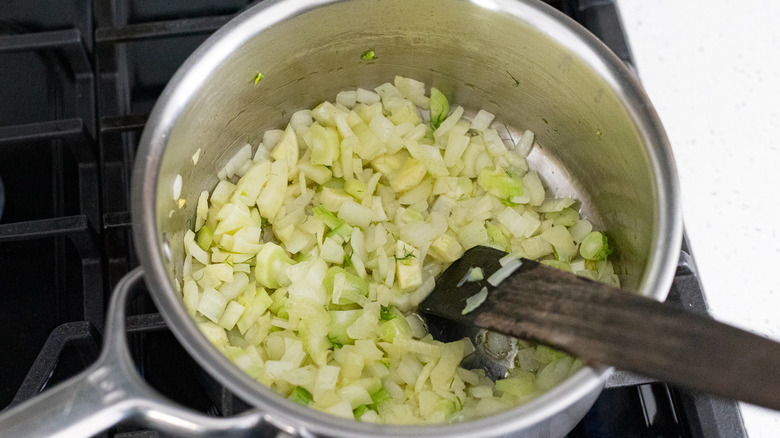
(2,198)
(111,391)
(598,137)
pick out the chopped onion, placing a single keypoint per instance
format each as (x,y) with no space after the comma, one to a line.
(503,272)
(177,187)
(475,300)
(307,260)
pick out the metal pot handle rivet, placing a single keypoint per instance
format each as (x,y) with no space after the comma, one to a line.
(111,391)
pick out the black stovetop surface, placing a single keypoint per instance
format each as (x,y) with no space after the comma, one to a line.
(77,81)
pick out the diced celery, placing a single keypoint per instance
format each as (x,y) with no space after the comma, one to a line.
(343,232)
(301,396)
(337,327)
(322,337)
(327,217)
(496,237)
(272,263)
(360,410)
(356,188)
(595,246)
(558,264)
(440,107)
(352,283)
(315,339)
(381,396)
(567,217)
(204,237)
(500,184)
(394,327)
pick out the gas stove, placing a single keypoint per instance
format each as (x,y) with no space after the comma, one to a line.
(77,81)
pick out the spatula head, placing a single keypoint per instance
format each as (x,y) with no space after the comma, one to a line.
(448,298)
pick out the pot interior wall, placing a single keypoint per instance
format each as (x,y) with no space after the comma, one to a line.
(589,147)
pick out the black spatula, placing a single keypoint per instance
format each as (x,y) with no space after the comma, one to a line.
(602,324)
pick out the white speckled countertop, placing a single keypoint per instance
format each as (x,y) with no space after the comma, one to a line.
(712,70)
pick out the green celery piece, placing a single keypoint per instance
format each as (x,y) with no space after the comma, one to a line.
(344,231)
(496,236)
(340,320)
(269,261)
(360,410)
(351,281)
(390,312)
(440,108)
(279,298)
(204,238)
(595,246)
(368,55)
(347,259)
(500,184)
(558,264)
(301,396)
(394,327)
(380,396)
(356,188)
(567,217)
(327,217)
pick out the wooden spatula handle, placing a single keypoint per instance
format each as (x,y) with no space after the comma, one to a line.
(602,324)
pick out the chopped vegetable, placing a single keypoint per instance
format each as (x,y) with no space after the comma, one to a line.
(301,396)
(504,271)
(440,108)
(475,301)
(368,55)
(305,263)
(595,246)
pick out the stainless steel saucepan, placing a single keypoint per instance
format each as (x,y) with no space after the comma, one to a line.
(598,135)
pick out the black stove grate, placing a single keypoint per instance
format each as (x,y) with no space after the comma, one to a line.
(78,80)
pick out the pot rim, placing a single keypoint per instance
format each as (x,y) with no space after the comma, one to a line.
(291,417)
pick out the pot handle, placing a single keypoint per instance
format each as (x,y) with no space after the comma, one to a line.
(111,391)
